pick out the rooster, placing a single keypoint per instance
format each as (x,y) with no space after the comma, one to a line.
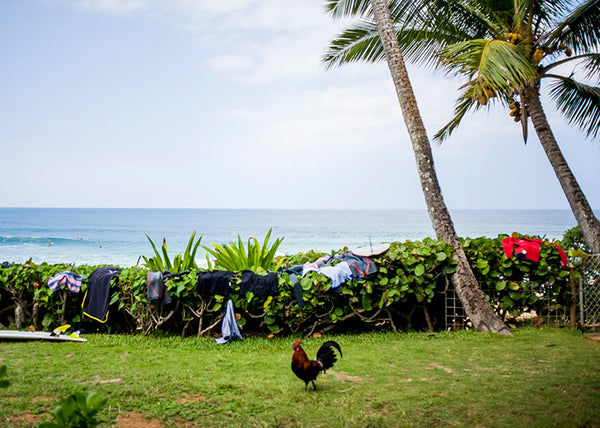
(308,370)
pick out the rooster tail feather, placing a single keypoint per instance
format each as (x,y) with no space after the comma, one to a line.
(326,356)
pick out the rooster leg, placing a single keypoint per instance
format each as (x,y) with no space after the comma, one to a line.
(314,386)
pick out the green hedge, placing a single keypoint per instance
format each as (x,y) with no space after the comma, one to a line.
(407,292)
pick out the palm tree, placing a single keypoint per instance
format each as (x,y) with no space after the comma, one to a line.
(476,306)
(505,49)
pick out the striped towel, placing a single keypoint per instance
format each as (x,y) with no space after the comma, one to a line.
(68,278)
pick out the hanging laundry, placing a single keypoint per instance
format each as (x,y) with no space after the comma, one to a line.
(350,266)
(229,329)
(339,274)
(360,266)
(529,249)
(314,266)
(260,285)
(297,290)
(96,299)
(293,273)
(157,292)
(68,278)
(212,283)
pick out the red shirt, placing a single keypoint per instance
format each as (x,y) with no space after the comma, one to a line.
(529,249)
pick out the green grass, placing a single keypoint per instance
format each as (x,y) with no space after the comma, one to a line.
(537,378)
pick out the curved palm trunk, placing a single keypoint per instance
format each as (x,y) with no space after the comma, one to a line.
(476,306)
(587,221)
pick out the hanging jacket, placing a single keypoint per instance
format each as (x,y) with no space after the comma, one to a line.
(96,299)
(156,290)
(293,273)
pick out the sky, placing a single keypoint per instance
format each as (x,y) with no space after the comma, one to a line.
(210,104)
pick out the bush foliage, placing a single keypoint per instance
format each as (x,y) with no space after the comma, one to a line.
(407,292)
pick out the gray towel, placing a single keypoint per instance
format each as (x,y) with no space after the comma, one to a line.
(229,329)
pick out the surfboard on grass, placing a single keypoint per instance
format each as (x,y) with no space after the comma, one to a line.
(371,250)
(37,335)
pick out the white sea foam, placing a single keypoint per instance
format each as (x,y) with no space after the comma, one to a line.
(117,236)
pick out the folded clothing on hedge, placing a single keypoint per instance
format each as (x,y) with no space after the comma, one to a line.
(350,266)
(260,285)
(212,283)
(529,249)
(360,266)
(157,292)
(96,299)
(68,278)
(316,265)
(339,274)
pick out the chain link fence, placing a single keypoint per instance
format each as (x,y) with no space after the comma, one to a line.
(548,311)
(589,292)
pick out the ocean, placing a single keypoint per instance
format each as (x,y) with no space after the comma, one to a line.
(117,236)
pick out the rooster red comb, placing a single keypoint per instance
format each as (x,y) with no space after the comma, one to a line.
(296,344)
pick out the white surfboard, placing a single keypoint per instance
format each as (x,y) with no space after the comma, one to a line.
(371,250)
(37,335)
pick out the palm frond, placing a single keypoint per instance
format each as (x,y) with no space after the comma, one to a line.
(362,43)
(465,103)
(497,63)
(579,103)
(579,29)
(521,16)
(470,18)
(359,43)
(591,65)
(347,8)
(421,46)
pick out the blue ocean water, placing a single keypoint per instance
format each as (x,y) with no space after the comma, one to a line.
(117,236)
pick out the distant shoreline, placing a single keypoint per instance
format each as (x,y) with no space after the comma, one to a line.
(118,235)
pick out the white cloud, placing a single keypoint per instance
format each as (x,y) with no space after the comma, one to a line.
(239,108)
(262,39)
(319,118)
(230,63)
(112,6)
(241,15)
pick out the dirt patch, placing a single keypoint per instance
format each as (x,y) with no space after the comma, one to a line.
(199,398)
(425,379)
(593,336)
(485,369)
(98,380)
(344,377)
(435,366)
(41,399)
(135,420)
(25,419)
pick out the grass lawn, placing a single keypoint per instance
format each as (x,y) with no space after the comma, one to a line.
(538,378)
